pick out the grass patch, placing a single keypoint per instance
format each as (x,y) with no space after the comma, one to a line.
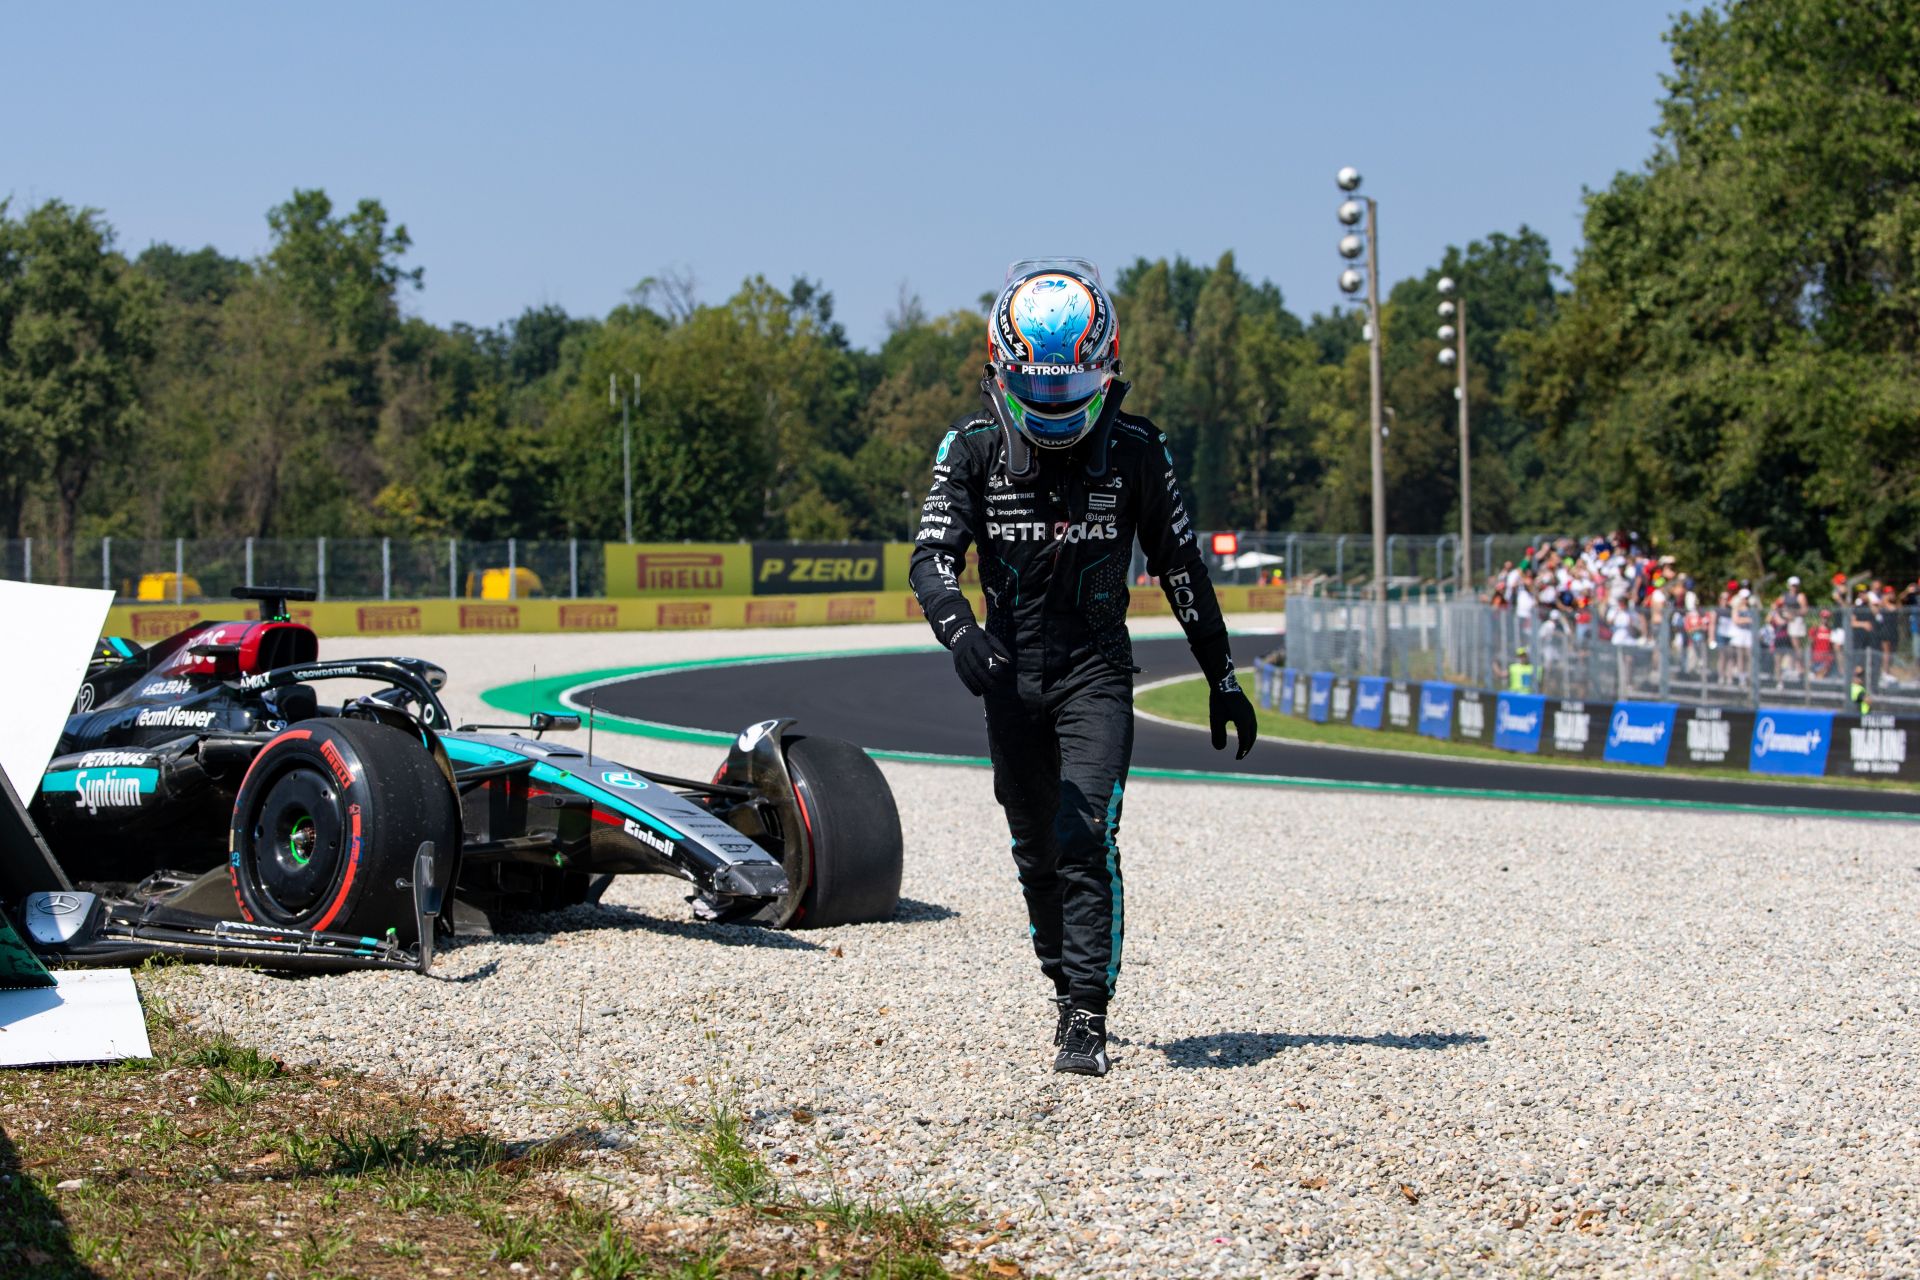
(1186,701)
(213,1160)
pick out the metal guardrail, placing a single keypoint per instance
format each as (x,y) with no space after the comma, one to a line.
(1434,637)
(184,570)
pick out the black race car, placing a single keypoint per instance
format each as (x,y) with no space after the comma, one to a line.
(213,805)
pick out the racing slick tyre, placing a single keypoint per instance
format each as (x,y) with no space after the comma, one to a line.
(851,845)
(327,823)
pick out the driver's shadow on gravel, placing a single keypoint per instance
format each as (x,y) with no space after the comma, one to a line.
(1250,1048)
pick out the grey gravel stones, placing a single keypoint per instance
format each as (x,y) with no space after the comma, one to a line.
(1357,1035)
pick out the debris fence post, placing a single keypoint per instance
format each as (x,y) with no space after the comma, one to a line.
(386,568)
(249,561)
(513,569)
(320,568)
(179,570)
(106,563)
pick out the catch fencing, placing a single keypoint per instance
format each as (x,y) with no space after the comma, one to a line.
(1653,655)
(189,570)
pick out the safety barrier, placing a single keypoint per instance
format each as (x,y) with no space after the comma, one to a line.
(1791,741)
(147,623)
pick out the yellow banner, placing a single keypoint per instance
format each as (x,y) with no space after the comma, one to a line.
(679,569)
(147,623)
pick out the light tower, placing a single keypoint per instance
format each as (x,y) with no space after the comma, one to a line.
(1352,245)
(1453,329)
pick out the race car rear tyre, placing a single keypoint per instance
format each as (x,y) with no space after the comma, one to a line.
(326,825)
(851,844)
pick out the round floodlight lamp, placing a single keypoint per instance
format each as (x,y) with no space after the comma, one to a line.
(1447,356)
(1446,311)
(1446,285)
(1352,246)
(1348,178)
(1445,333)
(1350,211)
(1351,280)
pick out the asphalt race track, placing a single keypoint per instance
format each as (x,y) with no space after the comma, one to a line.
(913,702)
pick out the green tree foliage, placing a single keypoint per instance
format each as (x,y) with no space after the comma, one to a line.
(76,328)
(1731,365)
(1737,358)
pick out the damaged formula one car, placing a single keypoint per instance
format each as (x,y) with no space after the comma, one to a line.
(213,806)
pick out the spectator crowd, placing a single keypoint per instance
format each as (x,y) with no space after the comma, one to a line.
(1569,601)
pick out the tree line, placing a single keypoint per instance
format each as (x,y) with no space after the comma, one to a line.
(1728,368)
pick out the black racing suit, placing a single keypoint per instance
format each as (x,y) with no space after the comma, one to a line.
(1054,557)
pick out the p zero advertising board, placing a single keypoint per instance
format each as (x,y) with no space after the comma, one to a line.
(817,568)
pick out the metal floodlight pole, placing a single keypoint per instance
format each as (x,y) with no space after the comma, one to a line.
(1377,441)
(1466,459)
(626,435)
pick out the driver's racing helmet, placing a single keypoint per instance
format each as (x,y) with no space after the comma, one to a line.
(1053,345)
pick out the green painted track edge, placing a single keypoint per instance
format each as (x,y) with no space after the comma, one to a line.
(555,694)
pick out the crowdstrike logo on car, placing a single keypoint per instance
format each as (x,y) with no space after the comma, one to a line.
(173,718)
(1623,731)
(1769,739)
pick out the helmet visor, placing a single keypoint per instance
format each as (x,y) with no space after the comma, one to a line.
(1054,386)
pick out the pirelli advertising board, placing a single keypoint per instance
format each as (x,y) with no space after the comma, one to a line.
(146,623)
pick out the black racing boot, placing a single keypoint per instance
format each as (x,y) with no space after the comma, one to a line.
(1083,1051)
(1065,1012)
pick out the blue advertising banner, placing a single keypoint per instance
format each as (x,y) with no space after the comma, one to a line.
(1640,733)
(1287,677)
(1436,709)
(1370,701)
(1320,696)
(1516,722)
(1791,741)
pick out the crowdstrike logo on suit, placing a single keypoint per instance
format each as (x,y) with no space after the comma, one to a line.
(1769,739)
(1624,732)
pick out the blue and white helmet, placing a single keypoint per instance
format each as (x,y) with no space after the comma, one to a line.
(1054,346)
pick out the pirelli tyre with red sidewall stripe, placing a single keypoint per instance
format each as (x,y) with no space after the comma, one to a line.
(326,825)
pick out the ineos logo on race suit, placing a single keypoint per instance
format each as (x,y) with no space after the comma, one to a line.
(1183,597)
(1058,531)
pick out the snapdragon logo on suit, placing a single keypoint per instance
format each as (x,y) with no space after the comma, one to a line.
(1640,733)
(1791,742)
(1516,722)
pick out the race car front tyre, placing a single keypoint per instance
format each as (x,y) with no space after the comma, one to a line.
(326,825)
(851,843)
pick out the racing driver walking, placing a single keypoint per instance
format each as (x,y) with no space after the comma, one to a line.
(1052,483)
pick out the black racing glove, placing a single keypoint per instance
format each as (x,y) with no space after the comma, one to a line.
(1226,704)
(982,661)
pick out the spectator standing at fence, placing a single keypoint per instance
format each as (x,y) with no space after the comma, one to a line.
(1857,692)
(1797,608)
(1910,605)
(1521,677)
(1823,658)
(1620,621)
(1740,624)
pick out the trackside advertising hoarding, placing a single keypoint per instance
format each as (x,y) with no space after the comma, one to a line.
(1517,718)
(1436,710)
(1653,735)
(1793,742)
(1641,733)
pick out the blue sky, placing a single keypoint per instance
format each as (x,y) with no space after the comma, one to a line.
(560,153)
